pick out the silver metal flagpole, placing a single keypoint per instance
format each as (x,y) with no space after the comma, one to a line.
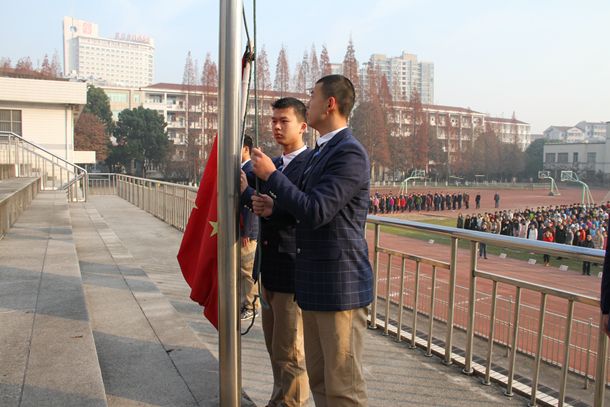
(229,78)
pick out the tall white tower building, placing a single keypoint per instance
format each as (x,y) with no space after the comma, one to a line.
(403,74)
(126,60)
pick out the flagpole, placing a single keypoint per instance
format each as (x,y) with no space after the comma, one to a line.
(229,78)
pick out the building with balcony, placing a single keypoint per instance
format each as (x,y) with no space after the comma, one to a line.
(126,60)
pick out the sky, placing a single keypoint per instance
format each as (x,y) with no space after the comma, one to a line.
(546,61)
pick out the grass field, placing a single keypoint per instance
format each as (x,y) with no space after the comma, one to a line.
(491,250)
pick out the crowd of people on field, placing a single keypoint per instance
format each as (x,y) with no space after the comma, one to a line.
(576,224)
(439,201)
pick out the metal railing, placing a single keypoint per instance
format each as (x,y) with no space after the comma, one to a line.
(534,332)
(32,160)
(443,312)
(170,202)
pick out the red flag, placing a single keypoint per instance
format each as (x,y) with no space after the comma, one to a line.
(198,255)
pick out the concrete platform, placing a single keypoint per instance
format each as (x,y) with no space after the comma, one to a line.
(15,195)
(396,375)
(47,352)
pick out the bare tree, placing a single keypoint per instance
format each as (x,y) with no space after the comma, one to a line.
(24,65)
(209,103)
(314,68)
(419,133)
(298,80)
(56,65)
(282,73)
(350,67)
(46,66)
(5,64)
(325,68)
(190,80)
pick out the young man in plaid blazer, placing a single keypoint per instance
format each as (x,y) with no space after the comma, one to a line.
(334,278)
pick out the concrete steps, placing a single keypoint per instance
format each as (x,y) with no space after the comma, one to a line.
(47,351)
(148,355)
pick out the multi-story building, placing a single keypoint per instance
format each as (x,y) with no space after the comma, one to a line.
(594,131)
(403,73)
(565,134)
(459,125)
(126,60)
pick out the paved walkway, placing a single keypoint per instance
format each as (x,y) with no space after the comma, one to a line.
(396,375)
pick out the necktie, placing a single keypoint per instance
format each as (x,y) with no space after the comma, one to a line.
(313,156)
(280,164)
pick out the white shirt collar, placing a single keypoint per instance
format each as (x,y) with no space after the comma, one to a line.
(329,136)
(287,158)
(245,162)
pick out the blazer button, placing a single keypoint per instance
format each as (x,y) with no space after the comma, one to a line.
(265,243)
(298,221)
(298,250)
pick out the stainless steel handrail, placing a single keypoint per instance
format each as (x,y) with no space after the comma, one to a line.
(475,238)
(70,185)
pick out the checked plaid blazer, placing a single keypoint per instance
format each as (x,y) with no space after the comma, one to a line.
(329,202)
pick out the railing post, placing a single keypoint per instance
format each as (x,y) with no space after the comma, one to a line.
(566,354)
(415,303)
(538,349)
(431,313)
(508,324)
(513,356)
(472,294)
(373,323)
(400,301)
(451,302)
(588,354)
(601,365)
(492,332)
(387,296)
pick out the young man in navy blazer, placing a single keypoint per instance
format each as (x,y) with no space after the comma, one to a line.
(282,321)
(334,278)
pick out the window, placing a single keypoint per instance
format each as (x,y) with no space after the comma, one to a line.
(550,158)
(591,157)
(115,115)
(117,96)
(562,157)
(575,158)
(136,98)
(10,120)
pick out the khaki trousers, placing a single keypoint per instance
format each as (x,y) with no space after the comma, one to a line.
(248,288)
(283,329)
(334,344)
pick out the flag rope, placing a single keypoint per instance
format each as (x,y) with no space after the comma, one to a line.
(252,58)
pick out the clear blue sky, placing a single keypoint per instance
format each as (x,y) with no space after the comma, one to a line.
(548,61)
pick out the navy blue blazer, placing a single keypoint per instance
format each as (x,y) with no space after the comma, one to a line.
(605,297)
(277,242)
(330,204)
(250,220)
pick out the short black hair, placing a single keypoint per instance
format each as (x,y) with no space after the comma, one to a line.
(248,143)
(300,110)
(342,89)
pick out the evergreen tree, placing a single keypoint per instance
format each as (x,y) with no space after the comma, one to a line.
(282,73)
(350,67)
(325,68)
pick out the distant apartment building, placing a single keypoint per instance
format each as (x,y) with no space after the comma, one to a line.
(403,73)
(565,133)
(336,69)
(127,60)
